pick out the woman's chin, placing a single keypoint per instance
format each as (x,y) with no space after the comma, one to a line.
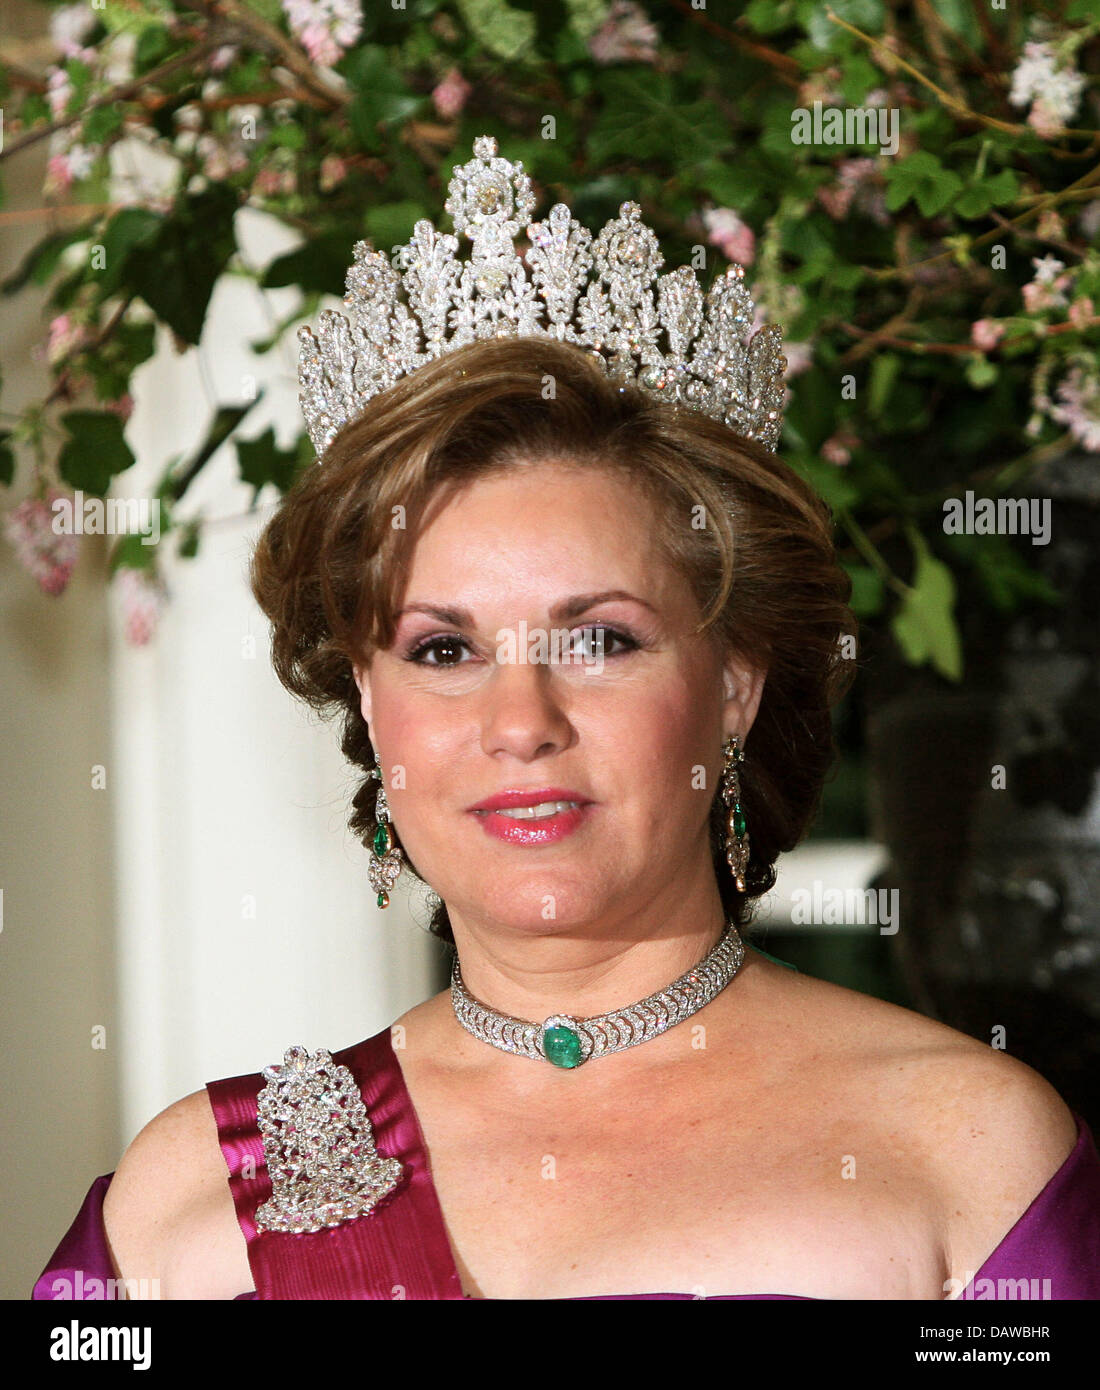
(529,912)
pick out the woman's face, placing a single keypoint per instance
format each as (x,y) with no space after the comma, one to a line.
(467,703)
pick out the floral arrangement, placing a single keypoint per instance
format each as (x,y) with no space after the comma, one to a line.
(914,191)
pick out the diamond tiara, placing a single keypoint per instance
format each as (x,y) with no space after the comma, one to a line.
(617,318)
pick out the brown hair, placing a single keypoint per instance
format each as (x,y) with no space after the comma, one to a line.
(327,567)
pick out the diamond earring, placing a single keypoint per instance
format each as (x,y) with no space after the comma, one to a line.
(737,840)
(385,863)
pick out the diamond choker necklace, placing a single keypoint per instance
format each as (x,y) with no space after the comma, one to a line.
(565,1041)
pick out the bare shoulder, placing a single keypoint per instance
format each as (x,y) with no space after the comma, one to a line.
(987,1130)
(964,1090)
(169,1213)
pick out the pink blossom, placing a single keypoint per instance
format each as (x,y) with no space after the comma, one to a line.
(1050,225)
(320,45)
(58,178)
(1089,220)
(838,448)
(272,182)
(1046,290)
(800,358)
(1044,119)
(142,595)
(1080,411)
(1054,92)
(221,58)
(217,161)
(334,171)
(65,167)
(47,555)
(451,94)
(733,237)
(985,334)
(626,36)
(58,91)
(857,183)
(1081,311)
(65,335)
(821,86)
(70,25)
(324,28)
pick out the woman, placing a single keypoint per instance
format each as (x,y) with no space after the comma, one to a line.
(590,644)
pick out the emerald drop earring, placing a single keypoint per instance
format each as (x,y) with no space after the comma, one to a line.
(737,839)
(385,863)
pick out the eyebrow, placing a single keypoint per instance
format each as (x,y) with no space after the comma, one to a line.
(571,607)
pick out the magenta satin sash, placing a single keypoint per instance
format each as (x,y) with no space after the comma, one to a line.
(399,1250)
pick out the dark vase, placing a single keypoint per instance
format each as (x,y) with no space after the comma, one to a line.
(999,888)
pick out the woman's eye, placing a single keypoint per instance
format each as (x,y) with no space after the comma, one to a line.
(448,651)
(591,642)
(584,644)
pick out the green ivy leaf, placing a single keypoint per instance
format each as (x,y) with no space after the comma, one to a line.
(505,32)
(95,450)
(643,118)
(261,461)
(865,14)
(980,371)
(80,76)
(175,272)
(129,228)
(993,192)
(189,540)
(922,178)
(101,123)
(130,551)
(153,46)
(768,17)
(34,109)
(1002,571)
(586,16)
(287,136)
(884,372)
(392,224)
(831,483)
(868,590)
(319,265)
(924,625)
(846,277)
(381,98)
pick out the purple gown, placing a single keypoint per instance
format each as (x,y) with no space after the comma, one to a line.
(401,1249)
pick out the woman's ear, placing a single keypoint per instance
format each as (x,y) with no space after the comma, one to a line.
(362,681)
(742,687)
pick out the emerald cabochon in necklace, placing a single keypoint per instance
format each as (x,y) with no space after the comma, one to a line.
(567,1042)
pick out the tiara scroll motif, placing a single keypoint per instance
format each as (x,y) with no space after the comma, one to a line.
(705,364)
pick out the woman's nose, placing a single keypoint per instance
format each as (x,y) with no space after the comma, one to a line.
(523,712)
